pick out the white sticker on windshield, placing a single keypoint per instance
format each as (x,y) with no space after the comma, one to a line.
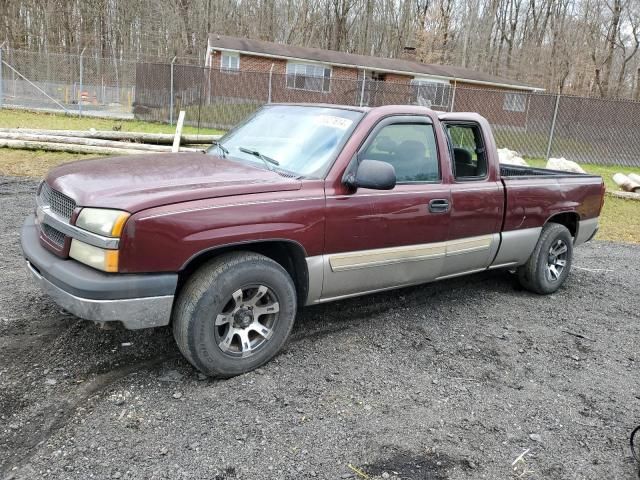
(334,122)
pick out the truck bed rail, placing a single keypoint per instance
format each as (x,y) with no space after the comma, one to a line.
(519,171)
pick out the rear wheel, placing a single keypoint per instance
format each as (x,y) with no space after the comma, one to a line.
(550,263)
(234,314)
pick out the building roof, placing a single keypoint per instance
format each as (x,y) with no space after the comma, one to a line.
(332,57)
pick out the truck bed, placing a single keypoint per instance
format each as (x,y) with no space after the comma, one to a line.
(533,195)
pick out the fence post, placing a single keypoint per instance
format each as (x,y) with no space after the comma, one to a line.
(171,94)
(270,79)
(553,126)
(453,95)
(1,85)
(364,79)
(81,75)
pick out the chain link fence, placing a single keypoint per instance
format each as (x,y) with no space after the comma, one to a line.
(81,84)
(536,125)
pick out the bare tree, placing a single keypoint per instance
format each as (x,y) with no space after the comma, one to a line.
(578,46)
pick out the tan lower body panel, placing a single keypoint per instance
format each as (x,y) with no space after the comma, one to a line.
(352,273)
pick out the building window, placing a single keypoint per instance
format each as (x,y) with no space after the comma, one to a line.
(229,62)
(514,102)
(430,93)
(309,76)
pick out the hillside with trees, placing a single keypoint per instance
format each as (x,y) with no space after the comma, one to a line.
(585,47)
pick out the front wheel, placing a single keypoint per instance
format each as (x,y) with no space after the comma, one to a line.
(550,263)
(234,314)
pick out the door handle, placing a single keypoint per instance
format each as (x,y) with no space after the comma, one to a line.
(439,205)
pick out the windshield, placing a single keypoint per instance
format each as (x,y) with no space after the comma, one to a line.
(295,139)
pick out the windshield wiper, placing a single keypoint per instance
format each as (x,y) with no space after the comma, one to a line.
(267,160)
(223,149)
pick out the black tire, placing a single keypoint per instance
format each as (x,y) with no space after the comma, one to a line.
(536,275)
(210,296)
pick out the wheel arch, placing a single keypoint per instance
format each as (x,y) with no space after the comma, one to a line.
(570,220)
(289,254)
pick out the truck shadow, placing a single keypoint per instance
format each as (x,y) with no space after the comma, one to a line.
(317,321)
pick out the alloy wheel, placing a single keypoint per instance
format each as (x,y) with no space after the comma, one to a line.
(556,260)
(247,322)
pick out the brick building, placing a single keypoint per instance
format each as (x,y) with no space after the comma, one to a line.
(300,74)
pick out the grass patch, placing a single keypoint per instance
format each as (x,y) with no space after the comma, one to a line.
(31,163)
(53,121)
(620,220)
(35,163)
(531,143)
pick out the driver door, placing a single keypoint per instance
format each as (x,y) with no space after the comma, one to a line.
(377,240)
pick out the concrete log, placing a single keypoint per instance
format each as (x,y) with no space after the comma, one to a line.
(625,183)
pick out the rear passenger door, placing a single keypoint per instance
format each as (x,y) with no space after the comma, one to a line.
(380,239)
(477,201)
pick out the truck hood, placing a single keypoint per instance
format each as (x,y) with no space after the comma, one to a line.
(137,182)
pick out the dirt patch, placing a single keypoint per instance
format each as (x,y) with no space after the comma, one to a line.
(409,466)
(451,380)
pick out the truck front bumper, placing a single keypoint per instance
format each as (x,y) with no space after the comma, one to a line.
(136,300)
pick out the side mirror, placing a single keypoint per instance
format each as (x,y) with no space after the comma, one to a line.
(373,174)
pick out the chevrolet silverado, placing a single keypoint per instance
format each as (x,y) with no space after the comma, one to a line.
(298,205)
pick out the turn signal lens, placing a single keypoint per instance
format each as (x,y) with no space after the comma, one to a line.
(111,261)
(118,225)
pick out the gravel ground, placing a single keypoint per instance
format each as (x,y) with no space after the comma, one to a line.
(451,380)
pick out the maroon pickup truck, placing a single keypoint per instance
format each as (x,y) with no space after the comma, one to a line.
(298,205)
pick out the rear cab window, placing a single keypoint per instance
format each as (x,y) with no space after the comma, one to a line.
(409,147)
(467,150)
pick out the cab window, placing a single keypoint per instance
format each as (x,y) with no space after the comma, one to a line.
(409,148)
(467,151)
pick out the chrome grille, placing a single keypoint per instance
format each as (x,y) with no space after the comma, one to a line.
(56,237)
(60,204)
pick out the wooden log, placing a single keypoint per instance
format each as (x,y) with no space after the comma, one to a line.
(67,147)
(141,137)
(625,183)
(95,142)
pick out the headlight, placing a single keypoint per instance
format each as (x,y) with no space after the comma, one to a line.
(108,223)
(105,260)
